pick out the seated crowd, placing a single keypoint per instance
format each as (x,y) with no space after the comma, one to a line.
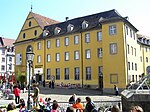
(75,105)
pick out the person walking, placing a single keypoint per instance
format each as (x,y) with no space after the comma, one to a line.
(53,84)
(116,90)
(35,96)
(17,94)
(50,84)
(44,83)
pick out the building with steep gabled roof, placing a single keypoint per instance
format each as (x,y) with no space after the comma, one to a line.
(7,59)
(94,51)
(35,22)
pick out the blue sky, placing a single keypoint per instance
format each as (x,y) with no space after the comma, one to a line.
(14,12)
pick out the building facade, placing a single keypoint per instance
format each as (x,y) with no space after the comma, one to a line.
(7,54)
(97,51)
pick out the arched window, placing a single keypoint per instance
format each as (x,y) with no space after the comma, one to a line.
(35,32)
(30,23)
(24,35)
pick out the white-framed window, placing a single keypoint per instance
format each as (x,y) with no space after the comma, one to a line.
(135,51)
(3,59)
(57,57)
(10,59)
(76,73)
(76,55)
(88,73)
(128,65)
(131,33)
(48,44)
(100,70)
(87,37)
(70,27)
(39,59)
(3,51)
(99,36)
(66,41)
(135,67)
(57,73)
(66,56)
(76,39)
(113,48)
(48,74)
(2,67)
(10,67)
(38,45)
(112,30)
(132,66)
(84,24)
(126,30)
(99,52)
(147,59)
(88,54)
(66,70)
(57,43)
(57,30)
(128,48)
(48,57)
(132,50)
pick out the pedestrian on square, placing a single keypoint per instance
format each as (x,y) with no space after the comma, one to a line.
(35,96)
(50,84)
(53,84)
(17,94)
(44,83)
(116,90)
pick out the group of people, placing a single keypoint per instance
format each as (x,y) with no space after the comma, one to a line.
(51,84)
(77,106)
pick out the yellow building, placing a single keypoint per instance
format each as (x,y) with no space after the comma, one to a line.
(97,51)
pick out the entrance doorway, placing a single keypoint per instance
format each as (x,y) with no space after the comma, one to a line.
(100,82)
(38,78)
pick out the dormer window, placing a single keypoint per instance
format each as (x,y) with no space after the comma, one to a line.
(100,19)
(85,24)
(57,30)
(70,27)
(45,33)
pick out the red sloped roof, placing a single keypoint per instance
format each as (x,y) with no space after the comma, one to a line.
(43,21)
(8,42)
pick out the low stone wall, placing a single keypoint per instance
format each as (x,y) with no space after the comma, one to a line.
(131,98)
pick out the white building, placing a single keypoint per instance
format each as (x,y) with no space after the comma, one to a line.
(7,58)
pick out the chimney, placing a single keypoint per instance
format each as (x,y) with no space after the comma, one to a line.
(67,18)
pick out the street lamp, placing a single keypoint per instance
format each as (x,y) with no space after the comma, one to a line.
(30,56)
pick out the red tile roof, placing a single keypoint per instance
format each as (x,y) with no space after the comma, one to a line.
(8,42)
(43,21)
